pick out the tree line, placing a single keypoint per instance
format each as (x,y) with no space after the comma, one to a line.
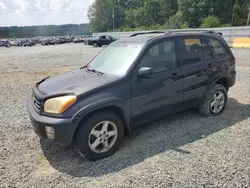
(126,15)
(48,30)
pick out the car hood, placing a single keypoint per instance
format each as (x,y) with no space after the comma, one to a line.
(77,81)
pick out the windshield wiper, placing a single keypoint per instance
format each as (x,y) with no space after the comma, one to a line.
(95,71)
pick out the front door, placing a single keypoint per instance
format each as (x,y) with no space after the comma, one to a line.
(160,94)
(103,40)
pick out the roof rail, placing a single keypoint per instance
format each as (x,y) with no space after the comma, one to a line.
(192,30)
(176,31)
(149,32)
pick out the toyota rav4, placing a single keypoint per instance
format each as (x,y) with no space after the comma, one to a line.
(134,80)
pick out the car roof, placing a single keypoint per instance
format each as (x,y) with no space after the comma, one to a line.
(146,37)
(140,38)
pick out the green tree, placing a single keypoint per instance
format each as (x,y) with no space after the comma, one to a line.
(145,14)
(241,12)
(130,18)
(210,21)
(101,12)
(152,12)
(194,11)
(169,8)
(100,15)
(175,22)
(48,30)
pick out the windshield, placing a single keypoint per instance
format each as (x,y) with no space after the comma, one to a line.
(116,58)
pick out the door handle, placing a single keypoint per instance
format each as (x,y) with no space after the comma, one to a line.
(175,75)
(210,65)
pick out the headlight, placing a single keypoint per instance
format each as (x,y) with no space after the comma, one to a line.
(59,104)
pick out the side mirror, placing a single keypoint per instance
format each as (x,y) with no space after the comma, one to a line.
(145,72)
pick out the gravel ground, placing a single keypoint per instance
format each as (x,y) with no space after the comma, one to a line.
(186,150)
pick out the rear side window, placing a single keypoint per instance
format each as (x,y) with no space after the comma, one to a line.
(193,50)
(218,47)
(207,52)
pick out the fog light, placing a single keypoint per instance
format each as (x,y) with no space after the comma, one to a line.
(50,131)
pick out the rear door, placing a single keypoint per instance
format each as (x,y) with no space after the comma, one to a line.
(224,58)
(198,67)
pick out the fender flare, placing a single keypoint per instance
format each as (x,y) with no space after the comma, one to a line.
(98,105)
(210,85)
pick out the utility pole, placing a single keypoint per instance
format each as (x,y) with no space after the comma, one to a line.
(113,15)
(232,22)
(248,19)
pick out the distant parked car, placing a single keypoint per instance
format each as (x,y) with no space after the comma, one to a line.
(5,43)
(56,40)
(86,42)
(28,43)
(14,42)
(48,42)
(102,40)
(2,43)
(79,40)
(61,41)
(45,42)
(21,42)
(35,41)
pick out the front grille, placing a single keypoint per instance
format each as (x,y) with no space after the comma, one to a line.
(37,104)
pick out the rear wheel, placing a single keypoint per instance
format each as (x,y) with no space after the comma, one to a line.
(100,136)
(95,45)
(215,101)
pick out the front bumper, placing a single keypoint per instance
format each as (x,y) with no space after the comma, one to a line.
(64,129)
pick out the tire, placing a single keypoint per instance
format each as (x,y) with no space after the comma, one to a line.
(207,108)
(84,139)
(95,45)
(100,45)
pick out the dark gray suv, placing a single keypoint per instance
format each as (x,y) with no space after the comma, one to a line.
(133,81)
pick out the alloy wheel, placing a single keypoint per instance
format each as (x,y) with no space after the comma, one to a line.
(103,137)
(217,102)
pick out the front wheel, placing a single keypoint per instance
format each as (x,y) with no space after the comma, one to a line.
(215,101)
(100,136)
(95,45)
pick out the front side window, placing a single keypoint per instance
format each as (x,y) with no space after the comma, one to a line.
(161,57)
(116,58)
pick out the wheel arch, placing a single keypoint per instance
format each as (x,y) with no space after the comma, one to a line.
(114,107)
(223,81)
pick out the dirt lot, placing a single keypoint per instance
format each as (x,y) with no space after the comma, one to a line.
(186,150)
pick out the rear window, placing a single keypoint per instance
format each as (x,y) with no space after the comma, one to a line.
(218,47)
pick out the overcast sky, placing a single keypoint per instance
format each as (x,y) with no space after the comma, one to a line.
(43,12)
